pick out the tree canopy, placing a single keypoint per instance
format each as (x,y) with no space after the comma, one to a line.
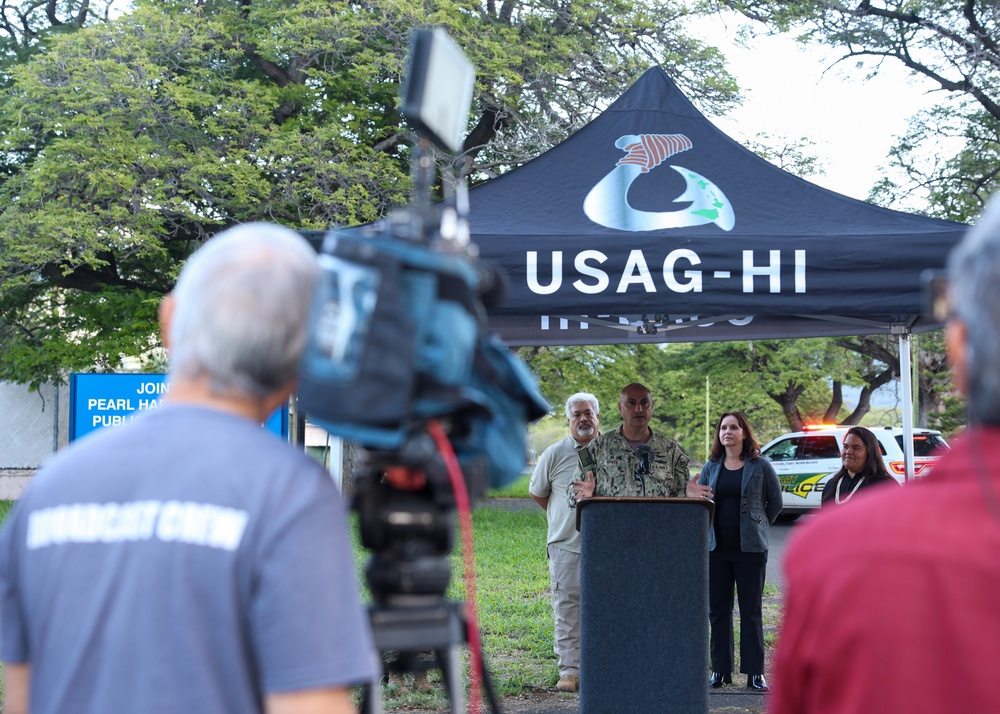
(781,385)
(131,138)
(129,141)
(953,48)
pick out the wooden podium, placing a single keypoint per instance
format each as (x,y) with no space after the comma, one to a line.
(644,604)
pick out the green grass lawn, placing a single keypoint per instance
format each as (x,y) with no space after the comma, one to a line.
(515,614)
(518,488)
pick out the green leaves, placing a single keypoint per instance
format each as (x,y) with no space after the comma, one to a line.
(946,164)
(127,143)
(779,384)
(76,331)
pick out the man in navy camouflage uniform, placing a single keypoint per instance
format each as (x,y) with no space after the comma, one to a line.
(633,460)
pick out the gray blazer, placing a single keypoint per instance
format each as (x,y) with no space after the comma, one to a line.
(760,505)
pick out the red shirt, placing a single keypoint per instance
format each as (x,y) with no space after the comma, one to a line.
(892,603)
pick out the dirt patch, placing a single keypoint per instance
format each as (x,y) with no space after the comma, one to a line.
(532,701)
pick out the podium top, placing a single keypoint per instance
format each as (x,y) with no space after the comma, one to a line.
(708,503)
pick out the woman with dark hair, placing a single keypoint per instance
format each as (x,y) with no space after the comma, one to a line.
(862,467)
(747,500)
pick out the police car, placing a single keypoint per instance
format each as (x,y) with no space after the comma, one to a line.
(805,460)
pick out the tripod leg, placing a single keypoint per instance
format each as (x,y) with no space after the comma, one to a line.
(491,693)
(451,671)
(371,697)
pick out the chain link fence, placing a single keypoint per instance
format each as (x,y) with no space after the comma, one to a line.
(33,426)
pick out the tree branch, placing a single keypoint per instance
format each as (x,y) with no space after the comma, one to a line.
(836,402)
(788,401)
(89,278)
(394,140)
(81,15)
(506,11)
(50,13)
(865,9)
(870,348)
(969,10)
(872,382)
(492,119)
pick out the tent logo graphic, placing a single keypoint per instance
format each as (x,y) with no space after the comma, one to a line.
(607,203)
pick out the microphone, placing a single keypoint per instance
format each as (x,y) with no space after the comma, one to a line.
(645,453)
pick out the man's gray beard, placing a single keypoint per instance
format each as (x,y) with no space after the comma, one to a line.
(585,430)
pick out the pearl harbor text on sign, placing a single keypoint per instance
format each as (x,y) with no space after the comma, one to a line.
(112,411)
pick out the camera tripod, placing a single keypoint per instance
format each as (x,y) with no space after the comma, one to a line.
(403,634)
(407,521)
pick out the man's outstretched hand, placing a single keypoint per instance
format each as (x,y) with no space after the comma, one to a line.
(694,490)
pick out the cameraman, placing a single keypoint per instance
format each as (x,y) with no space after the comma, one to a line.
(189,561)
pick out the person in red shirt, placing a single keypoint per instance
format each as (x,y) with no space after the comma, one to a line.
(892,604)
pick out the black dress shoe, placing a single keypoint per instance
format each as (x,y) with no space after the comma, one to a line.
(757,681)
(718,679)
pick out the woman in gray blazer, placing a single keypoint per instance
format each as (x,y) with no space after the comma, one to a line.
(747,500)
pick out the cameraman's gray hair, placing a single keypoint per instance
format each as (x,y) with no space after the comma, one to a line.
(974,287)
(582,397)
(241,306)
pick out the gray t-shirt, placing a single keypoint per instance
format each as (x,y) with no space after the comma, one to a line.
(552,475)
(186,562)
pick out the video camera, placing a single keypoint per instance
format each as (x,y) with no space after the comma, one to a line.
(396,340)
(396,350)
(396,328)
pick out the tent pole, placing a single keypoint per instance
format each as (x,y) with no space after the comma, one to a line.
(708,433)
(907,390)
(915,391)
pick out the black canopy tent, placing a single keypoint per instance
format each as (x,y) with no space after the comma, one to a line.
(651,225)
(752,249)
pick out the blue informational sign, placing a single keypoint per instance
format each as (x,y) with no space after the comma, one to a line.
(100,400)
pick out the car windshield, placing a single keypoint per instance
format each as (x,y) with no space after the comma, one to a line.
(805,448)
(925,444)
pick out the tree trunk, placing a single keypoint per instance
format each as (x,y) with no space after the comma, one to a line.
(934,384)
(836,402)
(865,398)
(863,406)
(788,401)
(930,403)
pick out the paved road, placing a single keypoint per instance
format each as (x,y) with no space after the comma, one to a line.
(778,539)
(780,533)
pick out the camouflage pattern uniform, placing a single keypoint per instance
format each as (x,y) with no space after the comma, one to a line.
(617,463)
